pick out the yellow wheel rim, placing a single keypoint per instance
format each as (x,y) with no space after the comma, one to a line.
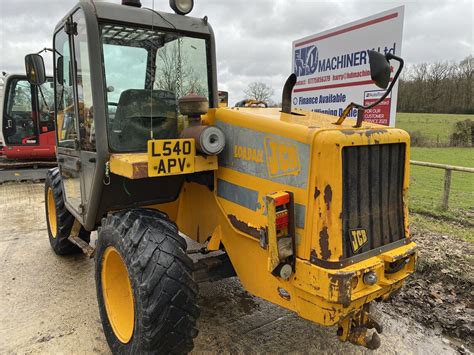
(118,295)
(52,213)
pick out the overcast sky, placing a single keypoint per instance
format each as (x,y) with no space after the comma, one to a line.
(254,37)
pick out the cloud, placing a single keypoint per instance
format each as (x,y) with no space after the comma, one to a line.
(254,37)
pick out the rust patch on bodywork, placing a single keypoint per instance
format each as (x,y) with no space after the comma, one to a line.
(316,193)
(313,256)
(324,243)
(244,227)
(340,285)
(328,196)
(354,326)
(370,132)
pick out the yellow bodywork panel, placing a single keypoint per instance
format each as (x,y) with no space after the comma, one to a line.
(132,165)
(273,257)
(270,152)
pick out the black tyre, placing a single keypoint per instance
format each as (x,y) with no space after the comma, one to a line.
(145,289)
(59,220)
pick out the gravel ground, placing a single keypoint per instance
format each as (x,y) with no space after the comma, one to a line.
(48,303)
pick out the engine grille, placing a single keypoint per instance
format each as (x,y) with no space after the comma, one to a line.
(372,195)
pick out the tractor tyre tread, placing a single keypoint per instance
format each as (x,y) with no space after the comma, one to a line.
(161,275)
(64,219)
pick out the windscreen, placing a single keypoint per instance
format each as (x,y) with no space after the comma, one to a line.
(146,72)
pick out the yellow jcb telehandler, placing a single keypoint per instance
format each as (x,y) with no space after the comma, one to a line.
(310,214)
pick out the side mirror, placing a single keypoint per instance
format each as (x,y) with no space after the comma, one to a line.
(60,70)
(379,69)
(380,73)
(35,71)
(223,98)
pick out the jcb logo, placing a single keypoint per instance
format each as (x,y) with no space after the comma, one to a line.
(358,239)
(282,158)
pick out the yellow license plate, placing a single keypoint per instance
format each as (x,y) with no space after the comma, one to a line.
(170,157)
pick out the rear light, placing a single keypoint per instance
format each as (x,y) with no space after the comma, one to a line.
(282,218)
(280,234)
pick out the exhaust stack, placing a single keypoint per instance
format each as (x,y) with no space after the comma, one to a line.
(286,96)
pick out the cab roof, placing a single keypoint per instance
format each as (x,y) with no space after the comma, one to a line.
(117,13)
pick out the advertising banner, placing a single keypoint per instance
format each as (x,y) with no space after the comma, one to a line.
(333,67)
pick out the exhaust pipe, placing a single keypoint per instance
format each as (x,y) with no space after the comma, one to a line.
(134,3)
(286,96)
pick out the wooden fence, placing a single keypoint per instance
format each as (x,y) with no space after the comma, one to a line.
(447,177)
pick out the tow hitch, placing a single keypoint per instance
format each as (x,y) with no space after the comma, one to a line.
(354,329)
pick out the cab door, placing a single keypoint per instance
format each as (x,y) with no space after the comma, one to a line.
(74,114)
(19,121)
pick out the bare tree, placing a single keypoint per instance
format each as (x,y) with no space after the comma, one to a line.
(259,91)
(438,87)
(466,75)
(169,64)
(194,85)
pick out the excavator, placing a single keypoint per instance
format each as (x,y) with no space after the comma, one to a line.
(308,210)
(27,128)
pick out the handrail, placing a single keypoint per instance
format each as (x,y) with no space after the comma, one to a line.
(442,166)
(447,177)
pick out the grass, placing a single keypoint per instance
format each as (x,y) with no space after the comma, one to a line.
(436,127)
(427,184)
(426,190)
(441,226)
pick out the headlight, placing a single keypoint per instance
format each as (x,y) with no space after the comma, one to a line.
(370,278)
(182,7)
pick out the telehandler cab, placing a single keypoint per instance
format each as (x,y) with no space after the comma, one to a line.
(309,213)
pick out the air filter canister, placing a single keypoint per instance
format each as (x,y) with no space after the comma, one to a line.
(210,140)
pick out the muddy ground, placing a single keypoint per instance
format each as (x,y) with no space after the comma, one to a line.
(441,294)
(48,303)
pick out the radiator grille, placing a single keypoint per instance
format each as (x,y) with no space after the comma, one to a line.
(372,195)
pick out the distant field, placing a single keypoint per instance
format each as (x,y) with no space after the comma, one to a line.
(426,184)
(435,127)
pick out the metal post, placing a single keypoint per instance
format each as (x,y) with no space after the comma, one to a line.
(447,187)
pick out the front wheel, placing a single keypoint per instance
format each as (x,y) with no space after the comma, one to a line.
(145,289)
(58,219)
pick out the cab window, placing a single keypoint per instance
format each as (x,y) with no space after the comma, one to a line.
(20,120)
(146,72)
(65,110)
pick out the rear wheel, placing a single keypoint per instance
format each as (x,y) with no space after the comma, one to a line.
(59,220)
(145,289)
